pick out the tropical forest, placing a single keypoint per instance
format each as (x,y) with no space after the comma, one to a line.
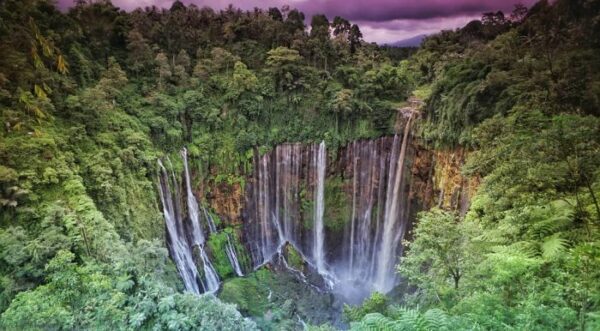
(280,165)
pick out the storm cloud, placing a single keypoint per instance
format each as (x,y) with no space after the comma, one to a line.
(385,10)
(381,21)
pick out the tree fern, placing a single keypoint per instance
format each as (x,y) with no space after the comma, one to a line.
(408,320)
(411,320)
(436,319)
(523,249)
(375,322)
(548,221)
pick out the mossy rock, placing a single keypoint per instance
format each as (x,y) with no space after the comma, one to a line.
(250,293)
(293,257)
(275,300)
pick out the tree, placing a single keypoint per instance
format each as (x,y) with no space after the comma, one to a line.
(113,303)
(284,64)
(10,192)
(441,253)
(275,14)
(113,79)
(243,79)
(354,38)
(222,59)
(341,26)
(519,13)
(343,105)
(163,69)
(140,55)
(553,155)
(294,21)
(181,67)
(319,38)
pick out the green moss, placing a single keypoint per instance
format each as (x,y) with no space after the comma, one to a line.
(423,92)
(307,204)
(336,204)
(216,219)
(275,300)
(242,254)
(249,293)
(294,258)
(216,244)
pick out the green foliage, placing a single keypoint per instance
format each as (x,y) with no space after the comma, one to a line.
(532,62)
(336,202)
(247,293)
(90,98)
(441,254)
(404,319)
(293,257)
(513,92)
(376,303)
(278,300)
(131,296)
(217,242)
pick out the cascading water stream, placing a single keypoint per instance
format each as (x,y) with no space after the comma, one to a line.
(319,200)
(209,220)
(233,259)
(210,275)
(274,201)
(211,278)
(197,233)
(373,178)
(393,230)
(180,251)
(181,246)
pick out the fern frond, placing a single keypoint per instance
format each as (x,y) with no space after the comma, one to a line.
(553,246)
(549,221)
(436,319)
(375,322)
(411,320)
(526,248)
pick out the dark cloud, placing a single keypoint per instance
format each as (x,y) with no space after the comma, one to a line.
(363,10)
(380,20)
(385,10)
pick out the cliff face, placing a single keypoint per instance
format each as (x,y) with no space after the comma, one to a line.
(453,190)
(435,181)
(438,181)
(227,201)
(422,170)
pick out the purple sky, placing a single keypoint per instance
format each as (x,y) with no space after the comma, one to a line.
(380,21)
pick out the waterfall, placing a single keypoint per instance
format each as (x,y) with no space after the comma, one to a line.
(393,230)
(181,244)
(274,200)
(285,205)
(235,264)
(212,279)
(197,234)
(179,249)
(366,165)
(319,200)
(374,179)
(209,220)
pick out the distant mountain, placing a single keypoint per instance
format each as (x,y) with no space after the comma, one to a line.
(410,42)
